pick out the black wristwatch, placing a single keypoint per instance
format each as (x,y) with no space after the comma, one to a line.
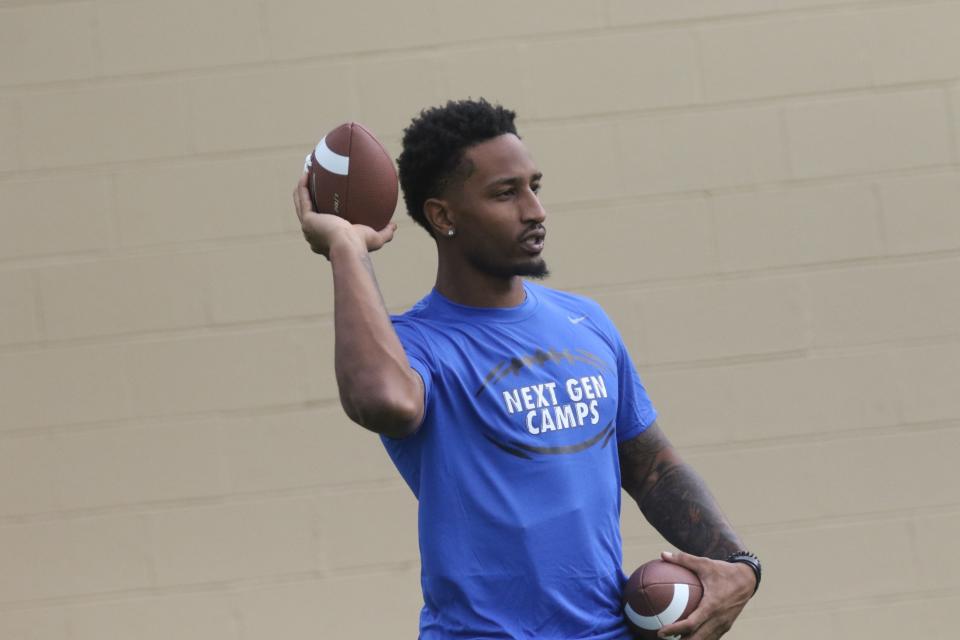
(749,559)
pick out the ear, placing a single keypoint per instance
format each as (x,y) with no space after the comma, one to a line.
(439,216)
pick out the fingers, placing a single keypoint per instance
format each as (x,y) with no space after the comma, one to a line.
(683,559)
(722,600)
(700,615)
(296,198)
(386,234)
(688,625)
(301,198)
(376,239)
(685,627)
(709,630)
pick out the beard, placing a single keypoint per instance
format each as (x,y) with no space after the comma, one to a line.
(536,268)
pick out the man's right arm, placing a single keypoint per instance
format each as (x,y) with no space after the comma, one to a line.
(378,388)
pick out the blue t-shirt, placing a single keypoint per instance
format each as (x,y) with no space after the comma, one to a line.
(515,465)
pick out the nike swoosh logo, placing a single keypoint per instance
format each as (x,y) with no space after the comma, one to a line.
(576,320)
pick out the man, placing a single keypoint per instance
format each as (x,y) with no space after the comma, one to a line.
(513,411)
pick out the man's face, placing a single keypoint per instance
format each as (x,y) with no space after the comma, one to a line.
(499,218)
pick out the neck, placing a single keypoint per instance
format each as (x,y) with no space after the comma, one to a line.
(473,288)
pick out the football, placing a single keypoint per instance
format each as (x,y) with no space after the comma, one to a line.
(351,175)
(657,594)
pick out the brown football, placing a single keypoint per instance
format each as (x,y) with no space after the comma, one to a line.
(350,174)
(657,594)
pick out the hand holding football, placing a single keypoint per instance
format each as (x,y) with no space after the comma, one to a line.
(657,594)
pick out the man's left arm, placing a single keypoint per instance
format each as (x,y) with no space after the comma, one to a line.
(676,501)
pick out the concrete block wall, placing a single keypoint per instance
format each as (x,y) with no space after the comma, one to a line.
(764,194)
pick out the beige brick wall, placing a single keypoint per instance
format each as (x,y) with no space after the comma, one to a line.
(764,194)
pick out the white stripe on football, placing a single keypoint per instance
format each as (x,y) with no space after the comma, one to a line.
(681,595)
(330,160)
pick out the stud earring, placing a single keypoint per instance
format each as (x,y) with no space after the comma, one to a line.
(451,233)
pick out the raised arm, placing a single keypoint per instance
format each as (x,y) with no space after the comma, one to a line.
(676,501)
(378,388)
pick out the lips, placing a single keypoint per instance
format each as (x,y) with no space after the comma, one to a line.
(532,241)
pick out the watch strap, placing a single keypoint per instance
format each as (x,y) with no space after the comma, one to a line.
(749,559)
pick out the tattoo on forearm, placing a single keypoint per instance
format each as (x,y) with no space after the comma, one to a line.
(681,507)
(674,498)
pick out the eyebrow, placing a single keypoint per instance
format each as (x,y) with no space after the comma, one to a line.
(514,180)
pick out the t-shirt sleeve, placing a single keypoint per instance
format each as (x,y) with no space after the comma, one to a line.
(635,411)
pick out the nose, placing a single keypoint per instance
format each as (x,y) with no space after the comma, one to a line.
(532,209)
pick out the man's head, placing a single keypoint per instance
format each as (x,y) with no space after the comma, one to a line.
(464,169)
(434,144)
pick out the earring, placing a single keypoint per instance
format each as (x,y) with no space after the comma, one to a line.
(451,233)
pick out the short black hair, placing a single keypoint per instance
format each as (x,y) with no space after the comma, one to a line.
(434,144)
